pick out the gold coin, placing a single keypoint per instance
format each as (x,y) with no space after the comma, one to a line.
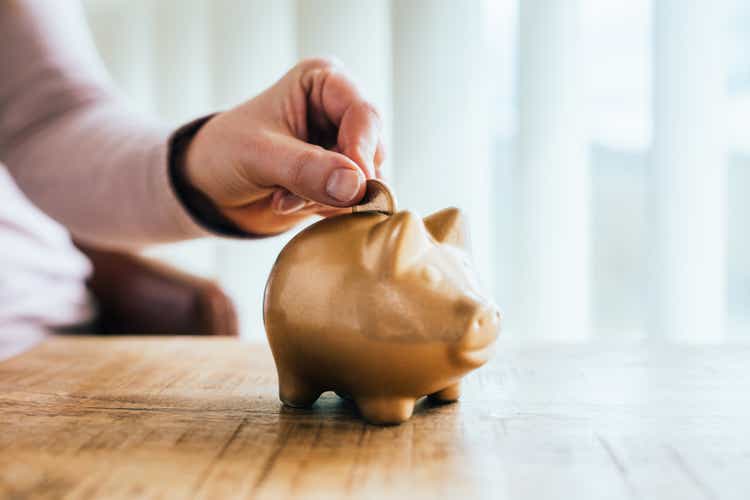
(378,198)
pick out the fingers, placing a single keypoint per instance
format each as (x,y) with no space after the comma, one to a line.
(359,135)
(379,158)
(283,202)
(330,91)
(260,218)
(335,99)
(310,172)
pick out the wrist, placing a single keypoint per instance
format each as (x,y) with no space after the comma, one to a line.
(182,175)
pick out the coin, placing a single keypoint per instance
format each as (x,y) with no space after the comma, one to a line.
(378,198)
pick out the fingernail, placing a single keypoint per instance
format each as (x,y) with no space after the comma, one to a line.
(343,184)
(290,203)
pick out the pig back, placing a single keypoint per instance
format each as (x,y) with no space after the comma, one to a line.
(313,287)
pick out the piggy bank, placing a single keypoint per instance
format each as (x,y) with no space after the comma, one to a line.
(382,309)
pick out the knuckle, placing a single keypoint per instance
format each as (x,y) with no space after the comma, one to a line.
(301,160)
(369,108)
(319,63)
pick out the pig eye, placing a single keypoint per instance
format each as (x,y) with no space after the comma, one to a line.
(431,274)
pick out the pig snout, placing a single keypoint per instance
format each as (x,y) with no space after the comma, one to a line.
(473,348)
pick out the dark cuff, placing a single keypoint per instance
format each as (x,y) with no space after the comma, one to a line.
(198,205)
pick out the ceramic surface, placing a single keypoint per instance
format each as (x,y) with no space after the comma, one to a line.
(382,309)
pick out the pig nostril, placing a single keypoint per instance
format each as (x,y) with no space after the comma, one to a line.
(480,322)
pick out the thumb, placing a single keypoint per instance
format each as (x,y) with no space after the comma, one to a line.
(310,172)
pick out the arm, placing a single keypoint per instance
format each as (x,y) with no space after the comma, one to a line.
(302,147)
(68,140)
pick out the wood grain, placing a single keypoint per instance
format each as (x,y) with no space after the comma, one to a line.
(171,418)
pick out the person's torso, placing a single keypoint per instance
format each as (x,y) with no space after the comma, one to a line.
(42,274)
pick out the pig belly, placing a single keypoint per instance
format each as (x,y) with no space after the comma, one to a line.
(384,378)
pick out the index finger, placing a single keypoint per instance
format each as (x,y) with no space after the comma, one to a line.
(334,98)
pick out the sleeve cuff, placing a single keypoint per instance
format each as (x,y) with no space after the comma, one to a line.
(197,210)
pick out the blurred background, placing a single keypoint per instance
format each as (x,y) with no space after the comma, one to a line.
(601,148)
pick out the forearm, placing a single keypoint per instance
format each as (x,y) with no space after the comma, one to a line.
(103,174)
(68,140)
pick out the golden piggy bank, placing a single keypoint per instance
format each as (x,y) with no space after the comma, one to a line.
(383,309)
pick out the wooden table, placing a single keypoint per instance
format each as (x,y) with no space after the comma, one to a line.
(96,418)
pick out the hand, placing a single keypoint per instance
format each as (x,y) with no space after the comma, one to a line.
(305,146)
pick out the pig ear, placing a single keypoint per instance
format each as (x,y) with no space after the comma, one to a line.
(448,226)
(401,240)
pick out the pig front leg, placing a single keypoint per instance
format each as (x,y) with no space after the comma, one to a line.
(447,395)
(297,392)
(385,410)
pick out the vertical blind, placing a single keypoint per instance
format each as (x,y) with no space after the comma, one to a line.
(427,65)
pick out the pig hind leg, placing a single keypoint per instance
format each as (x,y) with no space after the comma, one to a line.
(296,392)
(385,409)
(447,395)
